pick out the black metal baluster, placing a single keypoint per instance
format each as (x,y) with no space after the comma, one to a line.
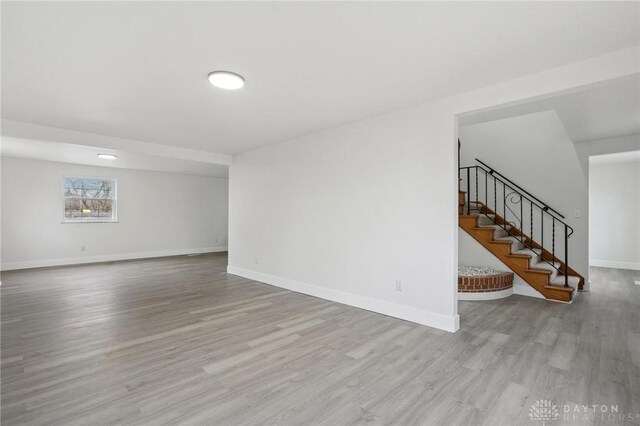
(531,224)
(541,234)
(553,241)
(495,196)
(521,222)
(486,192)
(476,187)
(566,256)
(468,190)
(504,206)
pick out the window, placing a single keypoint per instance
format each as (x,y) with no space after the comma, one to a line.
(89,200)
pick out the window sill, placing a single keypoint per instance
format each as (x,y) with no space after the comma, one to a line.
(66,222)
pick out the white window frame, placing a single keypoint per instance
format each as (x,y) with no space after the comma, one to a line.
(113,219)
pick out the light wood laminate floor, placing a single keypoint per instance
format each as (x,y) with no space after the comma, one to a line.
(178,341)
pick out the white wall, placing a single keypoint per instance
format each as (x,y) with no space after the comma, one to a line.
(614,206)
(344,213)
(158,213)
(535,152)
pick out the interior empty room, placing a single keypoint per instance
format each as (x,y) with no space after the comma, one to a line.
(305,213)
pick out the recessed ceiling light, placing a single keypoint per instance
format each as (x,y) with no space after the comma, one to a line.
(226,80)
(107,156)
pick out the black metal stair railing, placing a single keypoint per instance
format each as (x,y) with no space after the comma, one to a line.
(519,208)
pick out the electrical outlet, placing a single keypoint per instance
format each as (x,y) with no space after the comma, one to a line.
(398,285)
(217,240)
(576,213)
(256,260)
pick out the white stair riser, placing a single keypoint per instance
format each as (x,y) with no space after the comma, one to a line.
(573,281)
(483,221)
(516,245)
(499,233)
(534,261)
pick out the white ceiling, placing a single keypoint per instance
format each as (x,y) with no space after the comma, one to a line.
(88,155)
(605,111)
(25,140)
(137,70)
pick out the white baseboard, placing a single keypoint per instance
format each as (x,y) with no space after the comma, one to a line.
(489,295)
(408,313)
(9,266)
(635,266)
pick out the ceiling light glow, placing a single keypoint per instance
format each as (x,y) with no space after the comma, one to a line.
(107,156)
(226,80)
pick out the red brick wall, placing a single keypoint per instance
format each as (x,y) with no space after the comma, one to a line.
(484,284)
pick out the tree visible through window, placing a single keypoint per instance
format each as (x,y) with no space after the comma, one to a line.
(89,200)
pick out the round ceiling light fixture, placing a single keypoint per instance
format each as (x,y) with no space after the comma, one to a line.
(226,80)
(107,156)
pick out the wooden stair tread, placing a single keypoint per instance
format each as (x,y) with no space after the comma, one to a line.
(528,251)
(538,271)
(509,238)
(494,227)
(559,288)
(484,228)
(519,256)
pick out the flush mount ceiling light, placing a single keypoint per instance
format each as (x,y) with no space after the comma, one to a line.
(226,80)
(107,156)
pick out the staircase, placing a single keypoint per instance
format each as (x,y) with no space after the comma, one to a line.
(495,212)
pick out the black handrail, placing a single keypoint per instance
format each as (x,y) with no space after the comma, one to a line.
(546,206)
(542,206)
